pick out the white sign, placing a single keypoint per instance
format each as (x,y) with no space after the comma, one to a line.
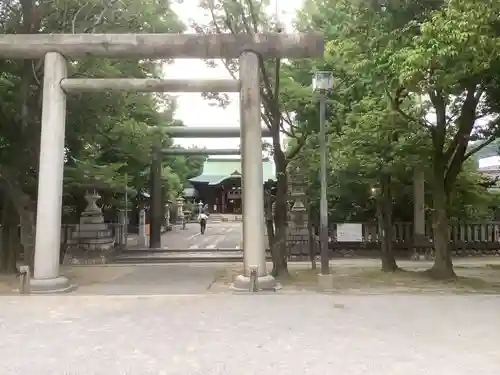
(350,232)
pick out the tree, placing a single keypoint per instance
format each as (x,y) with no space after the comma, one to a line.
(413,52)
(90,117)
(279,91)
(455,80)
(362,122)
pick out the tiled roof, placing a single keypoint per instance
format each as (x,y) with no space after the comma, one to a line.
(216,171)
(211,179)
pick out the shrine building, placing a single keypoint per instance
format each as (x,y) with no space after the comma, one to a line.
(219,185)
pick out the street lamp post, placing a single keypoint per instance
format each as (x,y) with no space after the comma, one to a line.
(322,84)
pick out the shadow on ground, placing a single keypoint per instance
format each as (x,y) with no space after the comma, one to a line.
(347,278)
(477,278)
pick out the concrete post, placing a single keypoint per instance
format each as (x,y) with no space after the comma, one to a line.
(254,254)
(142,239)
(122,222)
(418,210)
(323,205)
(50,180)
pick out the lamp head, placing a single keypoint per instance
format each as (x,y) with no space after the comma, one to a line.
(322,81)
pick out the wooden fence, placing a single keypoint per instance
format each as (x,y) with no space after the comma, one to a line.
(461,232)
(466,239)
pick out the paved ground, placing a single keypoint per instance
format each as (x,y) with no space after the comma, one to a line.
(218,235)
(165,279)
(165,319)
(250,334)
(197,278)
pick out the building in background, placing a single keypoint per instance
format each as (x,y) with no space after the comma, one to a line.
(490,166)
(219,185)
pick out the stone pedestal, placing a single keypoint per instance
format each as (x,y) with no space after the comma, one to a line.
(50,286)
(92,240)
(244,283)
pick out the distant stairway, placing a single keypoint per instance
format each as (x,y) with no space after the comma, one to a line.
(226,218)
(180,256)
(215,218)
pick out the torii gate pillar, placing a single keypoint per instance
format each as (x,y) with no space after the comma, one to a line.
(50,176)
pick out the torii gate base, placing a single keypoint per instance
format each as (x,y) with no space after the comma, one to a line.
(249,49)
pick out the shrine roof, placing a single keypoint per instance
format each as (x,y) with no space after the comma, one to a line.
(210,179)
(216,170)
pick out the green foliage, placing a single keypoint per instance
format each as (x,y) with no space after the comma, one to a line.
(108,135)
(381,54)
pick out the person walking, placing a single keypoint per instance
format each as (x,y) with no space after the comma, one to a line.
(202,218)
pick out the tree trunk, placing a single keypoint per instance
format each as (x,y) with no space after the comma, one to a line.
(384,208)
(10,238)
(27,222)
(24,209)
(443,265)
(270,224)
(270,232)
(280,266)
(279,250)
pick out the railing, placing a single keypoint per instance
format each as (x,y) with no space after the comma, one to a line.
(461,232)
(465,239)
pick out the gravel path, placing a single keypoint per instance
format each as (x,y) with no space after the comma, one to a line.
(249,334)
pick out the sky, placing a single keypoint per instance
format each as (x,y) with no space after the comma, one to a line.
(192,108)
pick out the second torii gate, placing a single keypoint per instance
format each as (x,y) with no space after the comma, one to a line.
(55,48)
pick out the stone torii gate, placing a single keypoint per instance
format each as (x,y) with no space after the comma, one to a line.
(56,48)
(155,176)
(157,185)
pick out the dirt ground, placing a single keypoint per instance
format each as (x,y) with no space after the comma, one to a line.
(352,279)
(348,277)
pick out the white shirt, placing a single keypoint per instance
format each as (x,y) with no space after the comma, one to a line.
(202,216)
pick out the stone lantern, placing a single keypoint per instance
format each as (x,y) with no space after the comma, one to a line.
(180,209)
(298,235)
(92,240)
(298,211)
